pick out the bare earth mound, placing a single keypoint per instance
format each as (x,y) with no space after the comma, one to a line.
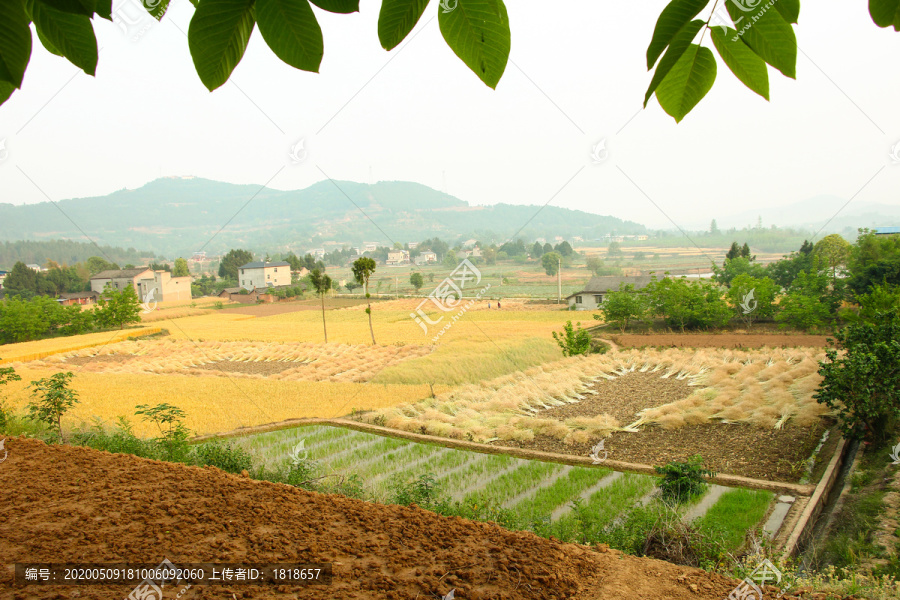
(67,504)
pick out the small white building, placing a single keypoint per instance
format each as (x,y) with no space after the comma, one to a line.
(596,290)
(259,274)
(149,285)
(370,246)
(426,257)
(396,258)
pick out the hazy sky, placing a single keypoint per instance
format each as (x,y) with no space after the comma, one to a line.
(576,76)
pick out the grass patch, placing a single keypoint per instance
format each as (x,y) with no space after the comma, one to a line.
(736,512)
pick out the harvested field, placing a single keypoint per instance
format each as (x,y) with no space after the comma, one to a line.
(734,449)
(720,340)
(118,508)
(682,402)
(623,397)
(289,362)
(279,308)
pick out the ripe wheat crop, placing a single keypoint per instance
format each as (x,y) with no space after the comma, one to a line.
(213,404)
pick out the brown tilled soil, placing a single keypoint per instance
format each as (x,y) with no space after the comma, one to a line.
(719,340)
(66,504)
(735,449)
(623,397)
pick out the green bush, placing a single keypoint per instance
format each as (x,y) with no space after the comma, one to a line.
(683,481)
(225,456)
(573,341)
(120,440)
(422,491)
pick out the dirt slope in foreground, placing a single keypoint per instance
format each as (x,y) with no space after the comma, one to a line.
(67,504)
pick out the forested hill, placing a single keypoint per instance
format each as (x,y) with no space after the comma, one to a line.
(66,252)
(175,216)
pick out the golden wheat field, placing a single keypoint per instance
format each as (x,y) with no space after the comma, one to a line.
(229,370)
(214,404)
(767,388)
(295,361)
(27,351)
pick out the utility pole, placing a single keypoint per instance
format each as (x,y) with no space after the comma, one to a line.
(559,281)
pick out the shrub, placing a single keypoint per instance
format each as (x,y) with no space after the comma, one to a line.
(172,442)
(120,440)
(54,399)
(225,456)
(422,491)
(573,341)
(683,481)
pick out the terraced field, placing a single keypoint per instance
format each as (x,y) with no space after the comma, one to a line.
(537,492)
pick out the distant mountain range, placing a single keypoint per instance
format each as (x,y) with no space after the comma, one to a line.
(176,216)
(814,213)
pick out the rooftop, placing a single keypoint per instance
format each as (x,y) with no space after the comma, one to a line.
(120,273)
(258,264)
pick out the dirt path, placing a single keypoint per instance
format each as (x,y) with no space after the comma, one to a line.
(65,504)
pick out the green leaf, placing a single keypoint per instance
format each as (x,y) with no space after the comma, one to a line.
(156,8)
(48,45)
(769,35)
(75,7)
(6,90)
(70,34)
(396,19)
(478,32)
(217,37)
(15,41)
(338,6)
(688,82)
(674,17)
(103,8)
(789,9)
(677,47)
(885,13)
(743,62)
(292,32)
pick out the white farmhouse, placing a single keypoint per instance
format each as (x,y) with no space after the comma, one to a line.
(264,274)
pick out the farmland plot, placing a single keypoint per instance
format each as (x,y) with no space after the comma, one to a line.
(298,361)
(538,492)
(750,413)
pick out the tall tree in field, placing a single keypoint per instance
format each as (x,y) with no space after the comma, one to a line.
(834,252)
(861,378)
(362,271)
(117,308)
(733,252)
(181,268)
(53,399)
(623,307)
(417,281)
(232,261)
(322,283)
(21,278)
(537,250)
(550,262)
